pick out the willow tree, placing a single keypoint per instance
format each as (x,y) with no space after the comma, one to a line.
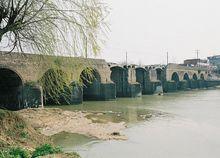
(63,27)
(49,26)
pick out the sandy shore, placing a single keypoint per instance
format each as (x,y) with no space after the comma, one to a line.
(53,121)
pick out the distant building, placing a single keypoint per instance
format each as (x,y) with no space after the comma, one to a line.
(196,62)
(214,60)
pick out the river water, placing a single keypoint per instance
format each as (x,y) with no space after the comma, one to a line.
(176,125)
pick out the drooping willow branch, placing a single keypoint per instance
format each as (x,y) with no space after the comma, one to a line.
(56,88)
(52,26)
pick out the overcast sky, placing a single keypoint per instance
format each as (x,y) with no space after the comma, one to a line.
(147,29)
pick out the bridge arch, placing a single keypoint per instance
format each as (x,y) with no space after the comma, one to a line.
(55,86)
(159,72)
(186,77)
(202,77)
(142,77)
(91,80)
(118,76)
(195,77)
(11,89)
(175,77)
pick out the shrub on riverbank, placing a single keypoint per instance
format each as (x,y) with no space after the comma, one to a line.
(16,132)
(20,140)
(48,149)
(14,153)
(41,151)
(45,149)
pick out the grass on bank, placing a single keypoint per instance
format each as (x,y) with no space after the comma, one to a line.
(43,150)
(20,140)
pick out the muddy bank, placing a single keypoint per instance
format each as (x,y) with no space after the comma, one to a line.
(15,132)
(53,121)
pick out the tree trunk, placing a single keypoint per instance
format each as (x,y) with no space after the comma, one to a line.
(2,32)
(1,35)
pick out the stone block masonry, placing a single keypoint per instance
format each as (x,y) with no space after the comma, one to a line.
(20,74)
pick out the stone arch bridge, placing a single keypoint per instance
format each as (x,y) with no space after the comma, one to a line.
(20,75)
(182,77)
(185,73)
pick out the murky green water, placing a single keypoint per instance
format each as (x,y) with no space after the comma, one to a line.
(176,125)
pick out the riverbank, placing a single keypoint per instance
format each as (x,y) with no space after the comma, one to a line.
(19,139)
(53,121)
(26,131)
(16,132)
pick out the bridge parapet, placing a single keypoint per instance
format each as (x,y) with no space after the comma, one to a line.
(32,67)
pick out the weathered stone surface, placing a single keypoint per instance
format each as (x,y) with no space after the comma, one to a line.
(32,95)
(212,83)
(108,91)
(31,67)
(184,85)
(182,70)
(111,80)
(125,80)
(170,86)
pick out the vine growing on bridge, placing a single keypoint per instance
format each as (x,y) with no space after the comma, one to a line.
(58,85)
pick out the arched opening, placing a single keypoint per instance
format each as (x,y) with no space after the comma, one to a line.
(194,82)
(159,74)
(201,82)
(175,77)
(55,87)
(142,77)
(10,89)
(187,83)
(186,77)
(202,77)
(118,76)
(91,81)
(195,77)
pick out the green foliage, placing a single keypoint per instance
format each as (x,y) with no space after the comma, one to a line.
(58,85)
(2,144)
(20,125)
(18,153)
(14,153)
(88,76)
(17,130)
(73,155)
(45,149)
(3,113)
(46,26)
(55,86)
(24,134)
